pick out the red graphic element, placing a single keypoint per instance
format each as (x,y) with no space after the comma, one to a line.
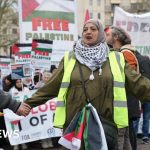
(28,7)
(15,122)
(34,45)
(107,29)
(87,15)
(15,49)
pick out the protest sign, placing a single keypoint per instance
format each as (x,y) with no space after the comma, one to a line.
(138,27)
(53,20)
(22,53)
(5,66)
(37,125)
(19,71)
(41,54)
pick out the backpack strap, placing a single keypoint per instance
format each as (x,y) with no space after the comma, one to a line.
(130,51)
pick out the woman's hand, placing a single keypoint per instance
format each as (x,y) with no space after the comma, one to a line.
(23,110)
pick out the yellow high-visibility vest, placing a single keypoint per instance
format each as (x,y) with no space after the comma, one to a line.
(120,111)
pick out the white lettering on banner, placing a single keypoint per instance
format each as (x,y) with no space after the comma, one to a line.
(37,125)
(137,26)
(133,26)
(10,133)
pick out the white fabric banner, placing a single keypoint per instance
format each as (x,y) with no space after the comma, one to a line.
(37,125)
(137,26)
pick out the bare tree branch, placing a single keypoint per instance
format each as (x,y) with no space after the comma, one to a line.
(8,19)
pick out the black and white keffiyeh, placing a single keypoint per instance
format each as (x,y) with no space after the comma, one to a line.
(93,57)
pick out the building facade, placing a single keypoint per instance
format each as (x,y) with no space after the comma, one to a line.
(8,32)
(96,9)
(104,9)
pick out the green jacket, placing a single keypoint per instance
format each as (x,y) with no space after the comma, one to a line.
(100,90)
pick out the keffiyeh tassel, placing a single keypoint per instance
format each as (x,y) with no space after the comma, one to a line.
(100,71)
(91,77)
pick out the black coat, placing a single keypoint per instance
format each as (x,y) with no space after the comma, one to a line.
(6,101)
(133,106)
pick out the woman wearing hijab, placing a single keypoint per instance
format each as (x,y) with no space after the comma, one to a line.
(105,78)
(18,87)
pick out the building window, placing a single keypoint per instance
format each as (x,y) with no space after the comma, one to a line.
(4,31)
(90,2)
(91,15)
(98,2)
(14,31)
(14,21)
(99,16)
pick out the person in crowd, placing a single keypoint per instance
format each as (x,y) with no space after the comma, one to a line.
(145,125)
(18,87)
(7,83)
(37,77)
(6,101)
(46,143)
(119,40)
(9,102)
(106,77)
(53,69)
(17,107)
(28,82)
(45,77)
(1,83)
(31,82)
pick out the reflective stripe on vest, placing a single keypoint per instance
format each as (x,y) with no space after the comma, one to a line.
(117,64)
(120,104)
(60,113)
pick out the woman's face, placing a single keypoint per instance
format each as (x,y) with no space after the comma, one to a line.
(90,34)
(19,84)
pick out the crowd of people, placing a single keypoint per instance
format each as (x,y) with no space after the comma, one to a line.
(102,70)
(9,88)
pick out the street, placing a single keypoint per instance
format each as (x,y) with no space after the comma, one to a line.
(140,146)
(37,146)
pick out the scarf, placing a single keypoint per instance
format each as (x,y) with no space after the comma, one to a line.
(92,57)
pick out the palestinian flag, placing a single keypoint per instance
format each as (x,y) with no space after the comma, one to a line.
(85,126)
(21,52)
(94,136)
(73,134)
(42,46)
(21,48)
(16,124)
(15,49)
(52,9)
(28,7)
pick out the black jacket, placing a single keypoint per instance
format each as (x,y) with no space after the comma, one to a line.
(6,101)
